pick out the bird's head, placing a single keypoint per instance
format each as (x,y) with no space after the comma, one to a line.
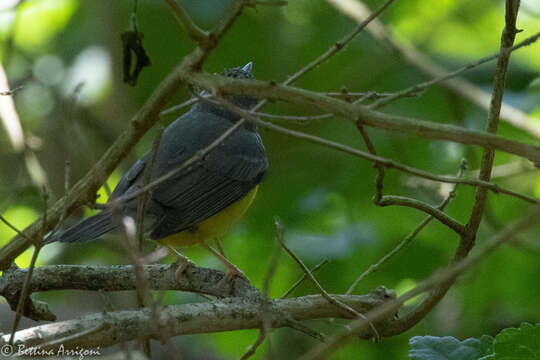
(242,72)
(243,101)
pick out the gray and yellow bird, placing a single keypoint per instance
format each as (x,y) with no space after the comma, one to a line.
(201,202)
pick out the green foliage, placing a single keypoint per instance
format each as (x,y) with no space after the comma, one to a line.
(448,348)
(509,344)
(517,344)
(324,197)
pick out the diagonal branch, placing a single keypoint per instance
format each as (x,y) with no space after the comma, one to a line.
(459,86)
(359,113)
(388,163)
(191,29)
(85,189)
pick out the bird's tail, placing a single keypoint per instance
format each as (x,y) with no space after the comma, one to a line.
(88,229)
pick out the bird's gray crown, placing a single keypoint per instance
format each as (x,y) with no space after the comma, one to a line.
(243,101)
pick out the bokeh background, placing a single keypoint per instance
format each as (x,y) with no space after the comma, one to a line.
(67,55)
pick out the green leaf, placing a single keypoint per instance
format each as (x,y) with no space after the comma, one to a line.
(517,344)
(448,348)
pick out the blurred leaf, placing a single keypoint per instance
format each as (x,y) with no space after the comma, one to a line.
(517,344)
(41,20)
(20,217)
(337,245)
(447,348)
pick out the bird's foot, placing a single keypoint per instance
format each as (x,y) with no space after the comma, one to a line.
(183,263)
(227,281)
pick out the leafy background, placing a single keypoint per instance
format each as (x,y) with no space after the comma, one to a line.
(322,196)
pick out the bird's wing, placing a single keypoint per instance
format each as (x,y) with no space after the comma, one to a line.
(129,178)
(224,176)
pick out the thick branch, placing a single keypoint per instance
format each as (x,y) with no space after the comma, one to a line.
(106,329)
(116,278)
(359,113)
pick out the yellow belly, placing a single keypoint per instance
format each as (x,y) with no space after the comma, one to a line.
(215,227)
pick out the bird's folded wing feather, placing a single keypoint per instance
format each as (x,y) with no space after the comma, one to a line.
(224,176)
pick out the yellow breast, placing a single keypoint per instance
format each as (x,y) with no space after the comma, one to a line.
(215,227)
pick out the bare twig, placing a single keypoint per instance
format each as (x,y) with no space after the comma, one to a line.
(507,40)
(337,46)
(346,308)
(145,197)
(294,117)
(85,189)
(467,240)
(303,278)
(265,302)
(388,163)
(12,227)
(444,275)
(458,85)
(444,218)
(422,86)
(191,29)
(26,285)
(179,106)
(407,240)
(10,92)
(253,348)
(358,113)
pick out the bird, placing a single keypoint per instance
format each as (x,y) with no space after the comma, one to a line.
(201,202)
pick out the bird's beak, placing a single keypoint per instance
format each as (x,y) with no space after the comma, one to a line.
(248,67)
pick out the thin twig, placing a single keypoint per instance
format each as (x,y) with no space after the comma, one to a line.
(387,163)
(10,92)
(293,117)
(422,86)
(444,275)
(145,197)
(12,227)
(337,46)
(253,348)
(191,29)
(225,86)
(467,240)
(443,218)
(27,281)
(408,239)
(303,278)
(322,291)
(141,288)
(265,301)
(179,106)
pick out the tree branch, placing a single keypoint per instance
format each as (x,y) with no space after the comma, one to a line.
(230,314)
(116,278)
(376,159)
(191,29)
(359,113)
(467,240)
(459,86)
(85,189)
